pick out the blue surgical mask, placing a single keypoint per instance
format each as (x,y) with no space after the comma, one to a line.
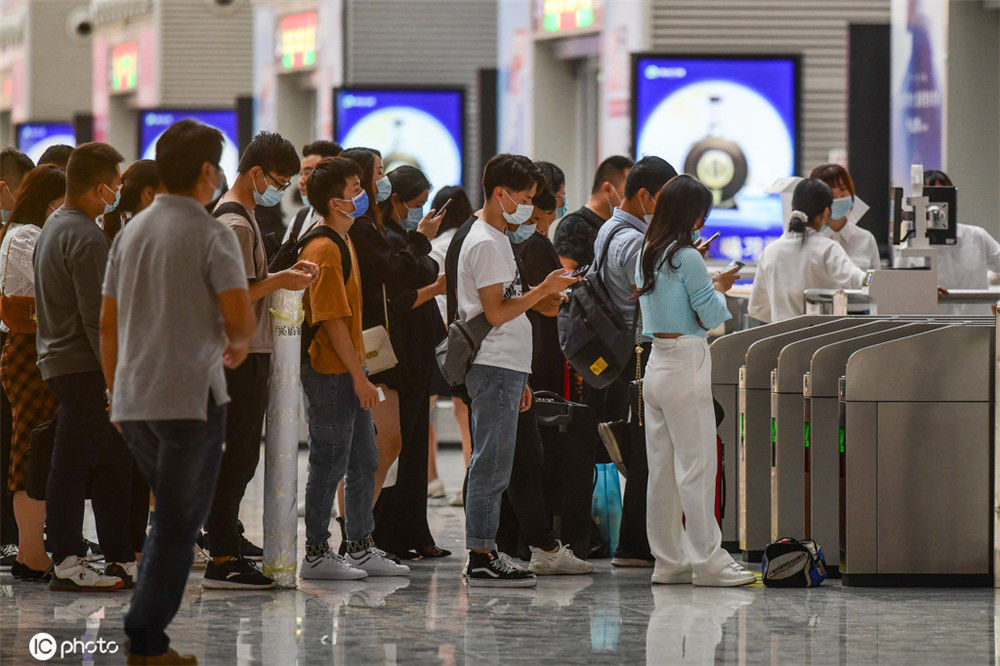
(841,207)
(521,215)
(561,211)
(383,188)
(270,197)
(111,206)
(5,215)
(305,200)
(360,204)
(413,218)
(521,234)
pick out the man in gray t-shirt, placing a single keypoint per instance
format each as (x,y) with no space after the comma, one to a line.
(175,310)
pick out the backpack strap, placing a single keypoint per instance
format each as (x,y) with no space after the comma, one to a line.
(233,208)
(300,219)
(607,244)
(323,231)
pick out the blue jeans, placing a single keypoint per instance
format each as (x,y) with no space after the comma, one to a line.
(341,444)
(496,399)
(180,460)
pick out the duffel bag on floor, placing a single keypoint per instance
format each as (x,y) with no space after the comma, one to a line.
(793,563)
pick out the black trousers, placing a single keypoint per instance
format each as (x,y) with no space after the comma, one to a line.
(247,388)
(611,404)
(138,518)
(8,526)
(401,510)
(89,454)
(569,479)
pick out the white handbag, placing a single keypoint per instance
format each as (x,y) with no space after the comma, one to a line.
(379,354)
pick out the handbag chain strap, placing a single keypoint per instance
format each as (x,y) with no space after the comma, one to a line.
(638,377)
(385,309)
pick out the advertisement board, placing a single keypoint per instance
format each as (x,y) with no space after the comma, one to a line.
(33,139)
(730,121)
(153,122)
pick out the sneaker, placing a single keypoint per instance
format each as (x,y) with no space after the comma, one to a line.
(733,575)
(249,551)
(236,573)
(94,552)
(22,571)
(74,574)
(127,571)
(457,500)
(558,561)
(201,558)
(680,578)
(610,434)
(376,563)
(435,489)
(8,556)
(327,565)
(169,657)
(492,570)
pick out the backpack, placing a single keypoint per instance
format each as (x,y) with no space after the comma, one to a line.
(793,563)
(289,254)
(593,336)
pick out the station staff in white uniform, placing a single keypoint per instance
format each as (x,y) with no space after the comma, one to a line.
(843,227)
(967,263)
(802,258)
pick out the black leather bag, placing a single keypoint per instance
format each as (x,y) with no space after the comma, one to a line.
(43,439)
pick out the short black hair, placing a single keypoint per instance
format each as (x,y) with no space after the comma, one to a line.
(545,192)
(515,172)
(183,149)
(611,169)
(329,180)
(57,154)
(932,176)
(555,175)
(458,211)
(90,164)
(271,152)
(650,173)
(323,148)
(14,166)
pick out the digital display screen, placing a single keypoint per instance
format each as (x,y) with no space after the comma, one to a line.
(422,128)
(33,139)
(298,40)
(732,123)
(125,67)
(154,122)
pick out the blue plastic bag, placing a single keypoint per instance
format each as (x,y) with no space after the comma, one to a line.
(607,504)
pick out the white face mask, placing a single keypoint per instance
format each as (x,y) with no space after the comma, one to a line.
(648,217)
(521,215)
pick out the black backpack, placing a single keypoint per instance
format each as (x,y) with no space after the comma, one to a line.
(593,335)
(288,254)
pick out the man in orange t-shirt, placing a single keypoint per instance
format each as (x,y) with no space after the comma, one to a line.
(341,430)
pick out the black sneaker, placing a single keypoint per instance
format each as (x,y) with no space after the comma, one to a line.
(8,556)
(237,573)
(491,570)
(24,572)
(250,551)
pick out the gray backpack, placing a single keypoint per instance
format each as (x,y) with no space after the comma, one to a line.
(456,353)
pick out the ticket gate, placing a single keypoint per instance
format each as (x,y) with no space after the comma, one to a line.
(916,459)
(756,432)
(789,460)
(821,410)
(728,356)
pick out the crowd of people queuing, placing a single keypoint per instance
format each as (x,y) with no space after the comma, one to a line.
(137,342)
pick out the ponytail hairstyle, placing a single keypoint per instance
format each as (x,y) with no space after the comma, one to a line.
(135,180)
(408,183)
(811,197)
(682,202)
(365,159)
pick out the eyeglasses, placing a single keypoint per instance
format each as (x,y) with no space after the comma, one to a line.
(277,183)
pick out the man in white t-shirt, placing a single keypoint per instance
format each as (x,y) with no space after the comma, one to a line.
(488,281)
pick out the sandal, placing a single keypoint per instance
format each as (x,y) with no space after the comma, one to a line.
(433,552)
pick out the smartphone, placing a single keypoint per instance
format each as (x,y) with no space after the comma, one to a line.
(442,208)
(738,265)
(711,238)
(578,271)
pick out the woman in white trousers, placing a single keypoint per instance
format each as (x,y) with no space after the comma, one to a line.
(680,302)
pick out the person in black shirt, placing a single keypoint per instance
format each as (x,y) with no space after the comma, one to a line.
(575,234)
(398,284)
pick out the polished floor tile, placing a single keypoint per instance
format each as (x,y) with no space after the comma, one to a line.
(612,616)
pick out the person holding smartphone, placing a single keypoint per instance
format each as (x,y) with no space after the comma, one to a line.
(680,303)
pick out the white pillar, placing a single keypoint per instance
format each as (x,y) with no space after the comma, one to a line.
(281,443)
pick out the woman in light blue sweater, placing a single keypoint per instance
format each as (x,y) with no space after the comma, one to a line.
(680,302)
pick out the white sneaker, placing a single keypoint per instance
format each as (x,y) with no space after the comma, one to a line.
(679,578)
(74,574)
(329,566)
(375,563)
(435,489)
(457,500)
(558,561)
(201,558)
(733,575)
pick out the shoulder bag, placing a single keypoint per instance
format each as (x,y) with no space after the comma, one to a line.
(17,312)
(379,354)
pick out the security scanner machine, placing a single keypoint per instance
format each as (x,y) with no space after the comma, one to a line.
(791,439)
(916,459)
(821,487)
(756,431)
(728,356)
